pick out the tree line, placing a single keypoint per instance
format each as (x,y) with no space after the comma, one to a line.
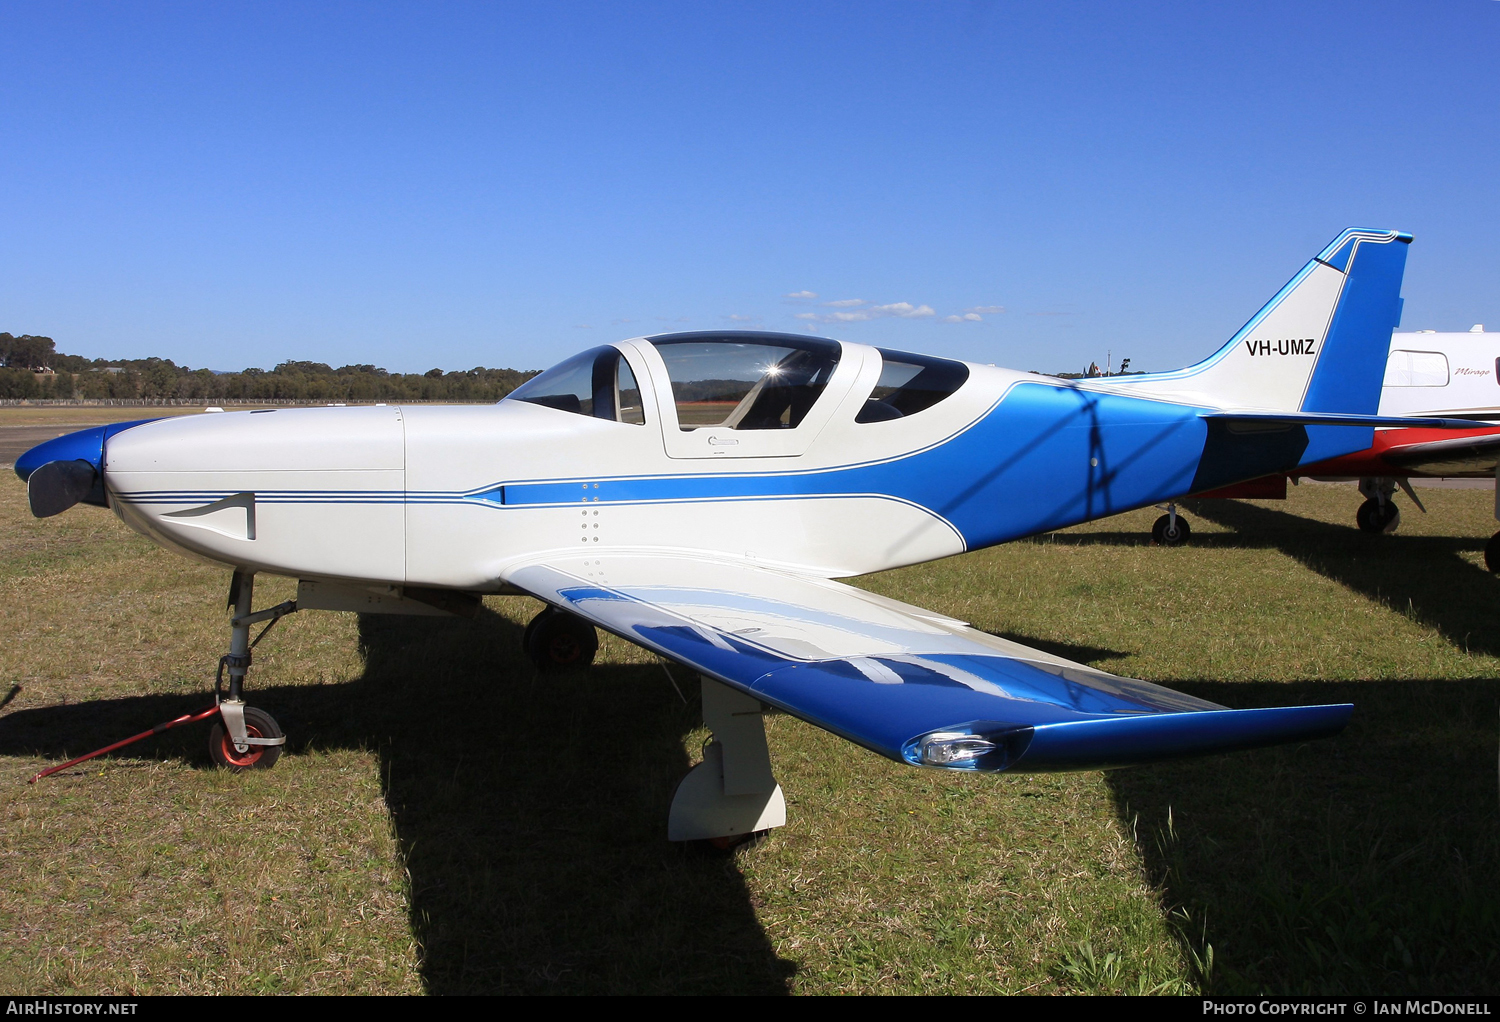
(31,367)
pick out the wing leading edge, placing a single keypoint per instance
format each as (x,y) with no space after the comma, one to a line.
(909,684)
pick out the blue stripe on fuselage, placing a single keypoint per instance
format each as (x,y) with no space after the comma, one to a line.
(1065,455)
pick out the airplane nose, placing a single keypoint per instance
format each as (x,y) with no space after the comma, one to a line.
(68,470)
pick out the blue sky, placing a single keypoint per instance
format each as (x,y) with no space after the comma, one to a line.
(453,184)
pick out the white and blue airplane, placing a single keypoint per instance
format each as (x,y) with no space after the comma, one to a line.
(699,493)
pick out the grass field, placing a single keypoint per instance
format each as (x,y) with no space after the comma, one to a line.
(448,821)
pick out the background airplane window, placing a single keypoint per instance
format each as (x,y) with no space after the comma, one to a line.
(909,384)
(1416,369)
(740,383)
(598,383)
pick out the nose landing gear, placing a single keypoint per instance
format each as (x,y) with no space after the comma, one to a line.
(243,737)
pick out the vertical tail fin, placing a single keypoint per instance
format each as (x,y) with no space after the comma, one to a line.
(1320,345)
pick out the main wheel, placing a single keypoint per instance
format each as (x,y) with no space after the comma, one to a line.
(1372,517)
(1492,553)
(1164,533)
(558,641)
(258,724)
(734,842)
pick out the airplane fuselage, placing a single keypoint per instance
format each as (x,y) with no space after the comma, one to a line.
(447,496)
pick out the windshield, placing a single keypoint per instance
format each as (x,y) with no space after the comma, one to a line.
(597,383)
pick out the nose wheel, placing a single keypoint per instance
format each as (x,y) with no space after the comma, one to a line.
(251,755)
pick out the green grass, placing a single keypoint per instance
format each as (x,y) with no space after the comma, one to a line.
(447,820)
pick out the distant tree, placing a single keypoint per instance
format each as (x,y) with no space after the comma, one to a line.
(162,379)
(27,351)
(17,383)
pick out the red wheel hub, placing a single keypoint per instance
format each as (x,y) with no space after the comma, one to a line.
(248,758)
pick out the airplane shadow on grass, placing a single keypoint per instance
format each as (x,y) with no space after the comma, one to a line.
(1422,576)
(531,809)
(1364,863)
(1368,862)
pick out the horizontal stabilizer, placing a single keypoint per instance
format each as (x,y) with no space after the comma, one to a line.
(1335,419)
(913,686)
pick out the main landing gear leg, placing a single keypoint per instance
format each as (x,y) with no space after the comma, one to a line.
(731,797)
(245,738)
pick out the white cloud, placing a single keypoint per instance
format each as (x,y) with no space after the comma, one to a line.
(837,317)
(845,303)
(737,318)
(993,310)
(903,310)
(802,294)
(968,317)
(583,326)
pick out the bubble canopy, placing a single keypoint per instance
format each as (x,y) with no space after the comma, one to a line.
(742,380)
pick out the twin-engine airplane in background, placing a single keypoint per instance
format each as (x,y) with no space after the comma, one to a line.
(697,493)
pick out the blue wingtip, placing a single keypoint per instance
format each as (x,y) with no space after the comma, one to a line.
(1130,740)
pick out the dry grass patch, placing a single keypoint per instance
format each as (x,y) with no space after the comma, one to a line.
(447,820)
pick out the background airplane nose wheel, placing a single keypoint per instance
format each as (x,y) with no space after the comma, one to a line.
(1492,553)
(1373,516)
(258,724)
(558,641)
(1167,533)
